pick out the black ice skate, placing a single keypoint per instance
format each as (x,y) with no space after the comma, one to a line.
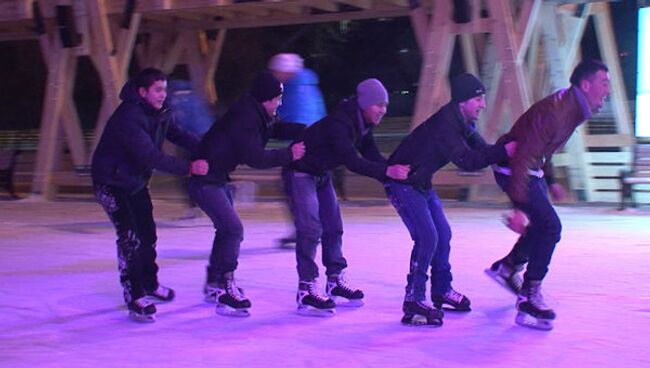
(161,294)
(452,301)
(229,298)
(532,312)
(288,242)
(506,275)
(337,287)
(312,303)
(142,310)
(419,313)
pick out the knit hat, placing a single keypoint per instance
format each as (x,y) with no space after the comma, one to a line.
(371,92)
(266,87)
(465,86)
(286,63)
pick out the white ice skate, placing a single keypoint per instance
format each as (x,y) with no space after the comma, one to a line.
(312,303)
(342,293)
(142,310)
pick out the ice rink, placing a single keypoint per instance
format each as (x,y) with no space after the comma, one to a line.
(61,303)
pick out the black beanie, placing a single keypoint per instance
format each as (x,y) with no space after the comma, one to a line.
(465,86)
(266,87)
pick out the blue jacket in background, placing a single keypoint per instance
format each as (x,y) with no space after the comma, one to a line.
(302,100)
(131,145)
(191,112)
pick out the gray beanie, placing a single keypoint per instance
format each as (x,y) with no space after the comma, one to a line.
(371,92)
(465,86)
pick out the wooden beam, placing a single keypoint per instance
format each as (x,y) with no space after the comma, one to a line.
(47,156)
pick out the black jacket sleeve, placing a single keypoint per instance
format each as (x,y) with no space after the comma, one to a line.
(287,131)
(343,145)
(141,148)
(247,138)
(369,149)
(182,137)
(460,150)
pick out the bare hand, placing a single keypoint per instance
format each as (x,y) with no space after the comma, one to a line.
(557,192)
(511,147)
(398,172)
(199,167)
(298,150)
(516,221)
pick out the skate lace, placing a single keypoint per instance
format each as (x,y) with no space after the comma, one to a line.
(234,291)
(342,282)
(454,296)
(536,298)
(314,292)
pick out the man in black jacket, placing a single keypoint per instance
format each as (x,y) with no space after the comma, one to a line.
(449,135)
(334,140)
(239,138)
(129,150)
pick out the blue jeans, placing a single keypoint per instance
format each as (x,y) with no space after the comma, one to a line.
(216,201)
(132,217)
(536,246)
(317,216)
(422,213)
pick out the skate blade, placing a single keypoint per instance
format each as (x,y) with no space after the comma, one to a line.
(499,280)
(347,303)
(228,311)
(529,321)
(451,308)
(149,318)
(309,311)
(417,320)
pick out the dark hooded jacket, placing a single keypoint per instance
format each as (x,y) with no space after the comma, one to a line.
(337,139)
(240,137)
(131,145)
(444,138)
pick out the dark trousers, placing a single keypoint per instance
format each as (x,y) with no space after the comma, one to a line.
(132,217)
(423,215)
(216,201)
(536,246)
(317,217)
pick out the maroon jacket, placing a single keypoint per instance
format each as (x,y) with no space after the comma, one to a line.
(539,132)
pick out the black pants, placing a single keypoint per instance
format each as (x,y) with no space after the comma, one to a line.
(132,217)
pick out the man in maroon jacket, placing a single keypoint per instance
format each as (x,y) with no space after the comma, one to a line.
(527,177)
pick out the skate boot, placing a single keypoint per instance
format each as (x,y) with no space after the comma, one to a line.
(311,302)
(161,294)
(506,275)
(337,287)
(142,310)
(230,299)
(452,301)
(288,242)
(532,312)
(420,313)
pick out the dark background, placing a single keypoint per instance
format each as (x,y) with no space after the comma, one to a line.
(342,53)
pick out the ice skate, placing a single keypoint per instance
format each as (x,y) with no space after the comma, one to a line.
(452,301)
(230,299)
(142,310)
(532,312)
(419,313)
(506,276)
(161,294)
(342,293)
(312,303)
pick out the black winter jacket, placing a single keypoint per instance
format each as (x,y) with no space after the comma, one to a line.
(240,137)
(442,138)
(131,145)
(337,139)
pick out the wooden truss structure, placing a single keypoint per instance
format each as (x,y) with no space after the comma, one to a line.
(522,49)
